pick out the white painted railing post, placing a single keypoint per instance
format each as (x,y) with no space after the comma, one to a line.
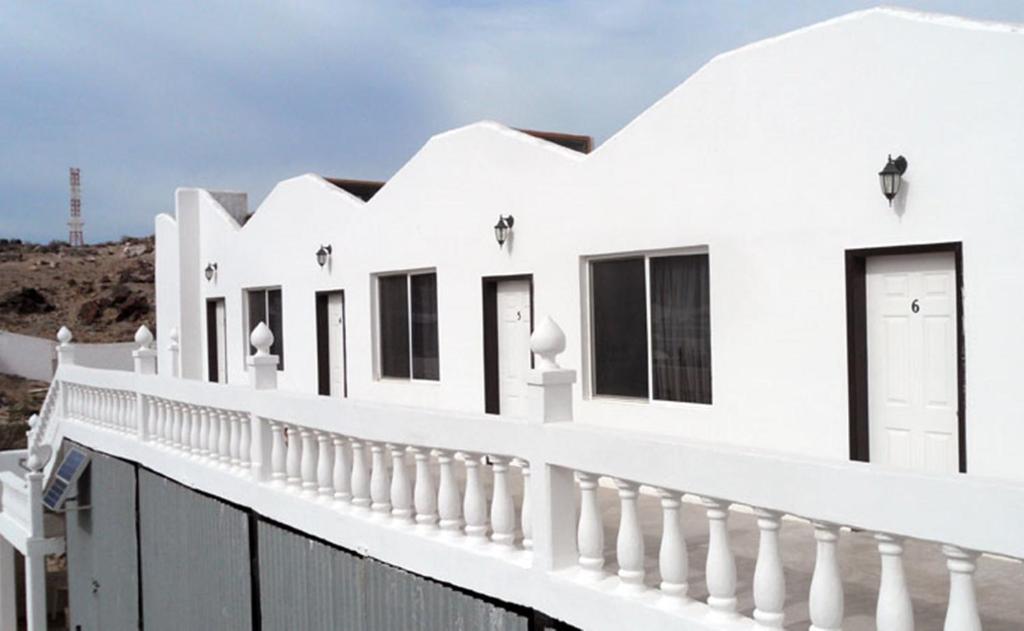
(308,460)
(895,611)
(401,489)
(293,458)
(35,562)
(144,359)
(720,570)
(277,453)
(503,509)
(342,470)
(449,501)
(360,476)
(552,494)
(826,597)
(629,547)
(380,485)
(424,493)
(474,506)
(962,610)
(769,579)
(324,466)
(65,350)
(673,561)
(262,376)
(174,350)
(590,531)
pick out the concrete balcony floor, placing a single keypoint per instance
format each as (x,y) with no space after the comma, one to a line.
(998,581)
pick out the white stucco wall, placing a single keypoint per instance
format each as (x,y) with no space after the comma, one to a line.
(768,157)
(35,357)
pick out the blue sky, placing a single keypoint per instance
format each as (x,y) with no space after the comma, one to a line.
(145,97)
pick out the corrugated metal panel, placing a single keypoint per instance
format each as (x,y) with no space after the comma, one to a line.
(306,585)
(195,559)
(101,552)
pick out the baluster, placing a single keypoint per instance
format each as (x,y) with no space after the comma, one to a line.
(186,427)
(159,421)
(629,547)
(449,501)
(474,504)
(244,442)
(590,532)
(293,458)
(116,404)
(360,476)
(277,453)
(193,439)
(234,439)
(826,598)
(673,562)
(342,471)
(894,611)
(503,509)
(126,409)
(401,490)
(213,435)
(962,611)
(223,439)
(720,570)
(324,466)
(424,493)
(379,485)
(307,461)
(525,517)
(204,431)
(769,579)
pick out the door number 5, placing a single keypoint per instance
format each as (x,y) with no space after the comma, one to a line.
(914,306)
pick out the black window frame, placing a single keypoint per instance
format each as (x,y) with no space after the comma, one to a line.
(277,328)
(420,333)
(649,350)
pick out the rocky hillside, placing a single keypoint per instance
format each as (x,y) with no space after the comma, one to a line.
(101,292)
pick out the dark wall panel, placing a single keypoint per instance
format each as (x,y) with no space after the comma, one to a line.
(195,559)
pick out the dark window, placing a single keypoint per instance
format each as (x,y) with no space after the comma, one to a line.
(620,327)
(678,358)
(681,329)
(265,306)
(394,326)
(423,290)
(408,326)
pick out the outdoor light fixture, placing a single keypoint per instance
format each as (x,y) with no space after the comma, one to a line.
(323,254)
(503,228)
(891,176)
(211,269)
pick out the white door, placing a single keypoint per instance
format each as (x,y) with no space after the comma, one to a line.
(222,343)
(336,343)
(912,361)
(513,297)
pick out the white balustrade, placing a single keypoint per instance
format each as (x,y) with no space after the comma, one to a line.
(629,546)
(826,597)
(720,570)
(204,432)
(962,609)
(277,453)
(449,501)
(895,611)
(424,493)
(503,509)
(673,562)
(769,578)
(212,434)
(474,505)
(590,532)
(380,491)
(360,476)
(342,470)
(307,462)
(194,443)
(223,439)
(234,440)
(324,466)
(244,441)
(293,458)
(401,488)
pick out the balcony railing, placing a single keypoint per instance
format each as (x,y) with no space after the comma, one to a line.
(517,504)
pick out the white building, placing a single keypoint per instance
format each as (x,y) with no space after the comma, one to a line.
(763,169)
(723,311)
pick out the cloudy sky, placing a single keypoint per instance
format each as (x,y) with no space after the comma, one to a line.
(145,96)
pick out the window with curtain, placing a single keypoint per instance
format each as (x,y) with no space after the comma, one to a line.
(264,305)
(669,297)
(407,305)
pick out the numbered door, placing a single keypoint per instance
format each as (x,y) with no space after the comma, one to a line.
(912,361)
(513,314)
(331,351)
(216,341)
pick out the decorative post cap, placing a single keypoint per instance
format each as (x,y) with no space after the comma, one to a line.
(143,337)
(173,335)
(548,341)
(262,338)
(64,336)
(38,455)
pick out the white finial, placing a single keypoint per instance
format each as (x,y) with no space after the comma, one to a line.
(548,341)
(173,335)
(33,421)
(262,338)
(38,455)
(64,336)
(143,337)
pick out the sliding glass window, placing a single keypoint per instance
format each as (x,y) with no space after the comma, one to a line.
(407,305)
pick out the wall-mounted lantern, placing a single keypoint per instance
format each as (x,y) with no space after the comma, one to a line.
(891,176)
(323,254)
(211,270)
(503,228)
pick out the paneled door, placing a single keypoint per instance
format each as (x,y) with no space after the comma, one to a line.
(331,352)
(912,361)
(513,312)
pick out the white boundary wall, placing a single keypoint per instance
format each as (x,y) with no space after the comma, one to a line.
(35,357)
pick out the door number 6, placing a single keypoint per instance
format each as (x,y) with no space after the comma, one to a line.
(914,306)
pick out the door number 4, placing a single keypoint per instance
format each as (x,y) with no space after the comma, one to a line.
(914,306)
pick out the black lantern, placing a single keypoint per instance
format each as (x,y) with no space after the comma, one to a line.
(323,254)
(503,228)
(891,176)
(211,269)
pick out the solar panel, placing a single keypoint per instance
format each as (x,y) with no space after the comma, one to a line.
(74,463)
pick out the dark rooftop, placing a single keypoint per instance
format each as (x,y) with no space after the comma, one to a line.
(576,142)
(363,189)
